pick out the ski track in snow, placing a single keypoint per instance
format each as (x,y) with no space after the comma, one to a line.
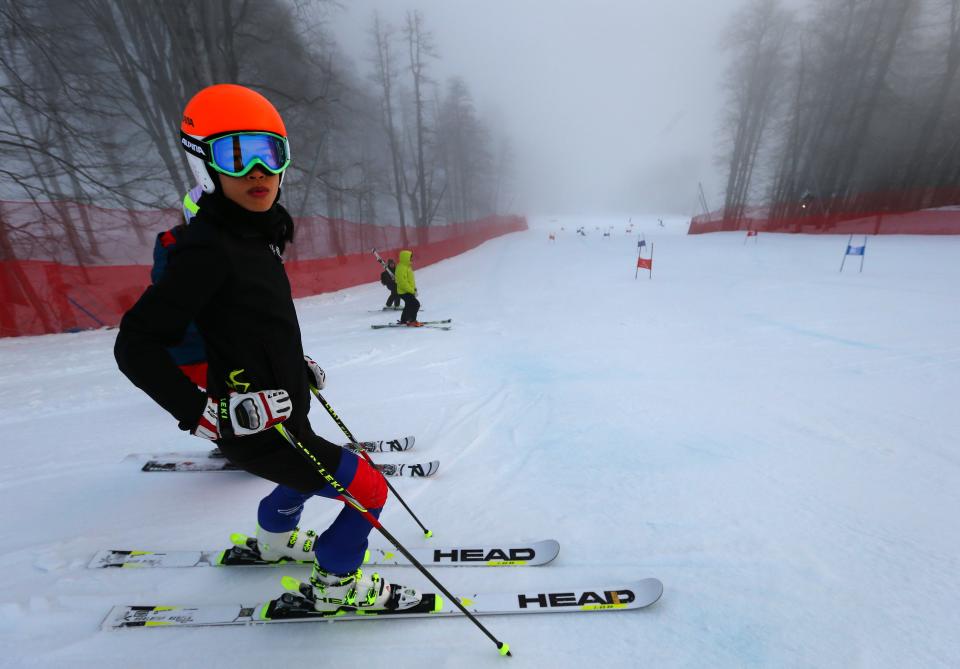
(774,440)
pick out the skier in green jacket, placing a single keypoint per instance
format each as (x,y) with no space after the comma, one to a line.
(407,289)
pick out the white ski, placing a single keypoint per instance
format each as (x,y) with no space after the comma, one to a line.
(382,446)
(293,608)
(519,554)
(413,469)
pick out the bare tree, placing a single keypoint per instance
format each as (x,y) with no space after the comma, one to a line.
(385,76)
(419,49)
(82,126)
(463,142)
(923,163)
(758,36)
(865,120)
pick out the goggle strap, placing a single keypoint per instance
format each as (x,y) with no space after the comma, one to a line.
(195,147)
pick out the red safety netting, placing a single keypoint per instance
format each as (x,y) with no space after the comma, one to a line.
(919,212)
(943,221)
(65,266)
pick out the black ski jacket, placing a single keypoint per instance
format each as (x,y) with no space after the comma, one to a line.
(388,281)
(226,274)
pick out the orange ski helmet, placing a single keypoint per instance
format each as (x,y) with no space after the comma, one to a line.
(221,109)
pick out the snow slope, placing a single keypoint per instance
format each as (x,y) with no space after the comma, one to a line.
(774,440)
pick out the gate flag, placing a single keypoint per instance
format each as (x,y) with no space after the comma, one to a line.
(644,263)
(855,251)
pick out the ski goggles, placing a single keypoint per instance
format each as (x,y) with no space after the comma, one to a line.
(237,153)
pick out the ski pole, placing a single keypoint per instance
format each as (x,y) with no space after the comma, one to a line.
(333,414)
(373,520)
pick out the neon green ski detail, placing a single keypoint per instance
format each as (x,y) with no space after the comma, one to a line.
(238,539)
(190,205)
(263,612)
(235,383)
(290,583)
(132,553)
(504,563)
(428,534)
(438,603)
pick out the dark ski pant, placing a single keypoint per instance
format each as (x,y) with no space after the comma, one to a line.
(411,305)
(394,299)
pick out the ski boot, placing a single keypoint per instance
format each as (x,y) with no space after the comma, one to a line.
(357,590)
(296,545)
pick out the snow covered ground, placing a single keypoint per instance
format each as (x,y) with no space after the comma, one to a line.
(774,440)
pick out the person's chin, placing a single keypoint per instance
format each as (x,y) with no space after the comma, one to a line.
(258,204)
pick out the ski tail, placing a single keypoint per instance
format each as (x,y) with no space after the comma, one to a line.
(384,446)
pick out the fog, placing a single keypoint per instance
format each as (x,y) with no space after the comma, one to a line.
(612,106)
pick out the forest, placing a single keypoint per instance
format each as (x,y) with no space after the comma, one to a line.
(842,108)
(91,94)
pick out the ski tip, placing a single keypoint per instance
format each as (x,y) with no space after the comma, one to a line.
(552,546)
(656,587)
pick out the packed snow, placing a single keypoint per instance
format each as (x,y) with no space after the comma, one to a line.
(774,440)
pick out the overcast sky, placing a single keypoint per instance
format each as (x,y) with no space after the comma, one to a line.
(613,106)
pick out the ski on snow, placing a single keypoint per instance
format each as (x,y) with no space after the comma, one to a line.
(296,608)
(437,325)
(214,461)
(383,446)
(244,554)
(382,309)
(411,470)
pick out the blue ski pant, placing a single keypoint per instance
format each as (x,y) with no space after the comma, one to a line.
(341,547)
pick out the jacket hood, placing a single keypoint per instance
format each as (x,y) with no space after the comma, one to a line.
(405,256)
